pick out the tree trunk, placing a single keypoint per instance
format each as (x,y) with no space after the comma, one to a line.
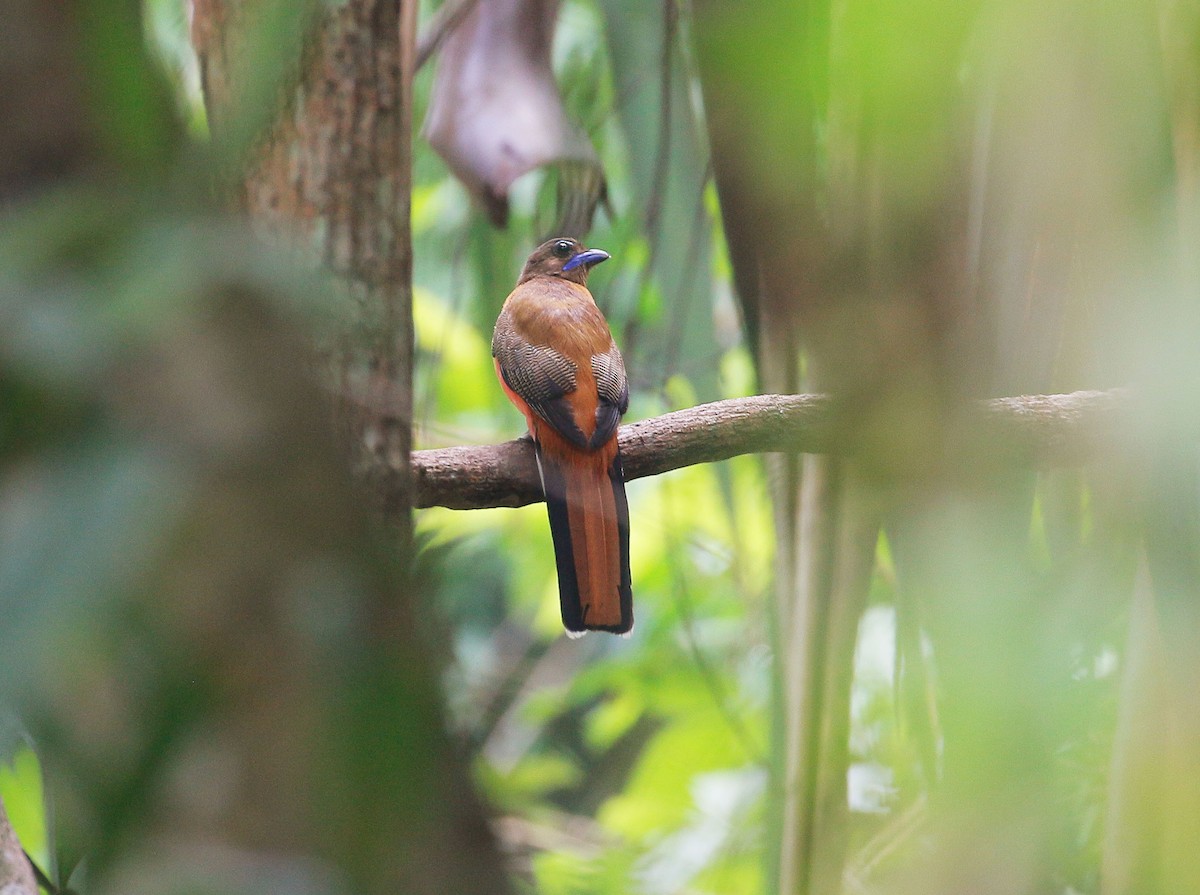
(331,178)
(247,703)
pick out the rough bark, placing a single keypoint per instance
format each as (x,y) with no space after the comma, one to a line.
(331,178)
(248,703)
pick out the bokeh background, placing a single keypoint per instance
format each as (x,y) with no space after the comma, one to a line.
(230,658)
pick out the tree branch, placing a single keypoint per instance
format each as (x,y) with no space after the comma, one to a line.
(1034,430)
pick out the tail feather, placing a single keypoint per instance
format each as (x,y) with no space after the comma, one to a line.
(616,475)
(589,524)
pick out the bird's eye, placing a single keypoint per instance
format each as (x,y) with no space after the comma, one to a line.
(563,248)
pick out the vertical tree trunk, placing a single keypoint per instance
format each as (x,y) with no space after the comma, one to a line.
(247,703)
(332,179)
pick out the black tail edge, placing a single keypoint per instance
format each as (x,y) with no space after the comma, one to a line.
(616,475)
(570,606)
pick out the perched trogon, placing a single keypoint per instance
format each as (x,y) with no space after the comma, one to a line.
(558,364)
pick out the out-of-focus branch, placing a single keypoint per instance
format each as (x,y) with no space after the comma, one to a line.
(1036,430)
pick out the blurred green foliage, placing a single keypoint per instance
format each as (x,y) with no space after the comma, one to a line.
(23,794)
(656,748)
(652,748)
(617,765)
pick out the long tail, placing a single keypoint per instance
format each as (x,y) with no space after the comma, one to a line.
(589,522)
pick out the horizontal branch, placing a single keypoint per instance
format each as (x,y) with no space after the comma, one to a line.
(1034,430)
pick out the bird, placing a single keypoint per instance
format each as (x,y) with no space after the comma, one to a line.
(557,362)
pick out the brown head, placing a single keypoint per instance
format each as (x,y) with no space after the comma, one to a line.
(562,257)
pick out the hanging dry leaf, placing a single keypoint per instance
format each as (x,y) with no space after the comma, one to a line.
(495,112)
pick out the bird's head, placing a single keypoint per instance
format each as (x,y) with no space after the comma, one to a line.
(562,257)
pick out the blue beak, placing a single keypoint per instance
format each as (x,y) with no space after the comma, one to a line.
(587,257)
